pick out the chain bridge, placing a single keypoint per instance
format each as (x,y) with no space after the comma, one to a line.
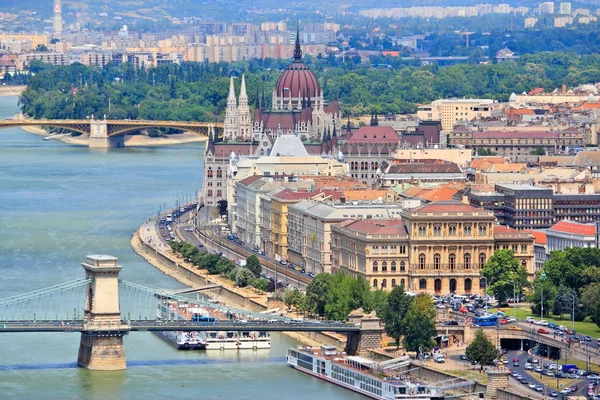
(110,133)
(103,309)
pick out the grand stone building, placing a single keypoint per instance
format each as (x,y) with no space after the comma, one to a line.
(298,107)
(436,248)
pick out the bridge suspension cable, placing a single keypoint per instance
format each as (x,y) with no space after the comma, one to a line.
(44,292)
(161,294)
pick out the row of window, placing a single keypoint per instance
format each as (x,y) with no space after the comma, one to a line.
(393,249)
(209,193)
(209,172)
(451,260)
(384,266)
(452,230)
(384,283)
(209,183)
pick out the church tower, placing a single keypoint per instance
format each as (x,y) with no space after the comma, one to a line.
(231,115)
(243,114)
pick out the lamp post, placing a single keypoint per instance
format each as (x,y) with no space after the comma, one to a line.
(542,279)
(515,299)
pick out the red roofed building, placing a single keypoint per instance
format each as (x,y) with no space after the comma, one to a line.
(568,233)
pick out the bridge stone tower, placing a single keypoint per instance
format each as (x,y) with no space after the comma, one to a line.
(99,138)
(101,346)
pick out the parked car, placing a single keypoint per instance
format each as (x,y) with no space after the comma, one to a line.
(463,357)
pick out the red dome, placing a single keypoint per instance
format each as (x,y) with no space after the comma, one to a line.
(297,78)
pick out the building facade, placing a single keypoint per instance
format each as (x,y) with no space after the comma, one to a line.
(439,248)
(566,233)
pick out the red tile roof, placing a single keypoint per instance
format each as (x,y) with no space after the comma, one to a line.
(574,227)
(504,229)
(515,135)
(250,179)
(540,237)
(378,227)
(445,206)
(375,134)
(427,168)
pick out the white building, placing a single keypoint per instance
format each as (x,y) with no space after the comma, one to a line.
(571,234)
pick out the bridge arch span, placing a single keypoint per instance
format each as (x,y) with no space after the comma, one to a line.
(80,128)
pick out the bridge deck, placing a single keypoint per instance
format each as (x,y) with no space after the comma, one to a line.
(144,326)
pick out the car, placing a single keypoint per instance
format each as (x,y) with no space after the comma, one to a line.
(283,262)
(529,366)
(440,306)
(544,331)
(514,328)
(548,373)
(511,319)
(298,268)
(451,323)
(531,385)
(565,391)
(539,388)
(573,376)
(574,388)
(535,360)
(569,332)
(262,253)
(463,357)
(516,364)
(587,338)
(553,393)
(200,245)
(538,369)
(593,377)
(254,249)
(311,274)
(243,321)
(543,322)
(505,361)
(503,351)
(503,321)
(524,381)
(514,374)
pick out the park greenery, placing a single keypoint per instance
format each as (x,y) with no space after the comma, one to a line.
(198,91)
(570,282)
(216,264)
(481,350)
(505,275)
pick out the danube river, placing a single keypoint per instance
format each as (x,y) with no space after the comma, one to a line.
(59,203)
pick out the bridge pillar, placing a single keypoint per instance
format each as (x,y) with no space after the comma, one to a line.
(99,138)
(497,379)
(101,345)
(368,338)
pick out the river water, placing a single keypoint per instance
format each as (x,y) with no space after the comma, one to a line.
(59,203)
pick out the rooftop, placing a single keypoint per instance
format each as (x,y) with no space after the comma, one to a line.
(515,135)
(452,206)
(573,227)
(288,145)
(377,227)
(540,237)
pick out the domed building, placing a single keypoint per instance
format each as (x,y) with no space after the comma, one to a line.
(298,108)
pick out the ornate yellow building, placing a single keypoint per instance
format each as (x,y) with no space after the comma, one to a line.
(440,248)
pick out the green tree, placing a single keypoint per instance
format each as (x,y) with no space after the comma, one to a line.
(503,272)
(485,152)
(339,297)
(419,324)
(233,273)
(244,277)
(539,151)
(253,265)
(377,301)
(549,293)
(590,298)
(41,47)
(394,314)
(481,350)
(224,266)
(261,284)
(292,297)
(317,292)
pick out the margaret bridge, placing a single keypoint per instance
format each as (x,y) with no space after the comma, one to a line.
(104,308)
(105,133)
